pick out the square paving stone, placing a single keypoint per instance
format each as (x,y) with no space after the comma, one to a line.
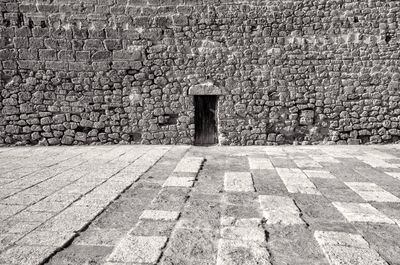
(153,228)
(361,212)
(46,238)
(238,182)
(100,237)
(198,223)
(171,199)
(294,245)
(320,213)
(80,254)
(371,192)
(233,252)
(179,182)
(202,209)
(196,244)
(210,185)
(240,199)
(319,174)
(341,195)
(383,238)
(140,249)
(241,211)
(26,255)
(160,215)
(26,216)
(255,234)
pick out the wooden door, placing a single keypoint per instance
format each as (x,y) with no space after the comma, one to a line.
(205,120)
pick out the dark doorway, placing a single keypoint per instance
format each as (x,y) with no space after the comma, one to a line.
(205,120)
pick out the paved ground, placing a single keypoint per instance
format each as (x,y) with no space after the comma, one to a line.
(189,205)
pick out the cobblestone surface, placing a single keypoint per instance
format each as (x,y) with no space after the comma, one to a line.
(116,205)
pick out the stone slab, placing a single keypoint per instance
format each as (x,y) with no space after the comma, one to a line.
(371,192)
(319,174)
(238,182)
(279,210)
(26,255)
(179,182)
(139,249)
(46,238)
(243,233)
(259,163)
(342,248)
(296,181)
(307,163)
(233,252)
(189,164)
(160,215)
(361,212)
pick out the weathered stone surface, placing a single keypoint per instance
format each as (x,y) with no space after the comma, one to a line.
(279,210)
(319,174)
(238,182)
(342,248)
(361,212)
(189,164)
(260,163)
(159,215)
(296,181)
(139,249)
(255,234)
(179,182)
(25,255)
(232,252)
(372,192)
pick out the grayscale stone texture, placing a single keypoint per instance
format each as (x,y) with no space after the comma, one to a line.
(125,71)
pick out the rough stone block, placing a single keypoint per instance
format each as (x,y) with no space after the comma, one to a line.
(139,249)
(47,55)
(127,55)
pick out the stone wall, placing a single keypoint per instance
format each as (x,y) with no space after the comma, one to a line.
(120,71)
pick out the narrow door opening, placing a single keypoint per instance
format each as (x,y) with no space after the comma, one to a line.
(205,120)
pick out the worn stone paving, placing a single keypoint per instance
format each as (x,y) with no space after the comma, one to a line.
(175,205)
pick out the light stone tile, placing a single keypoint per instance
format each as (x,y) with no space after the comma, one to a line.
(279,210)
(323,174)
(48,206)
(63,225)
(189,164)
(324,159)
(46,238)
(8,239)
(179,182)
(374,161)
(241,222)
(361,212)
(333,238)
(296,181)
(238,182)
(342,248)
(255,234)
(260,163)
(307,163)
(140,249)
(371,192)
(9,210)
(26,255)
(381,155)
(23,227)
(160,215)
(394,174)
(233,252)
